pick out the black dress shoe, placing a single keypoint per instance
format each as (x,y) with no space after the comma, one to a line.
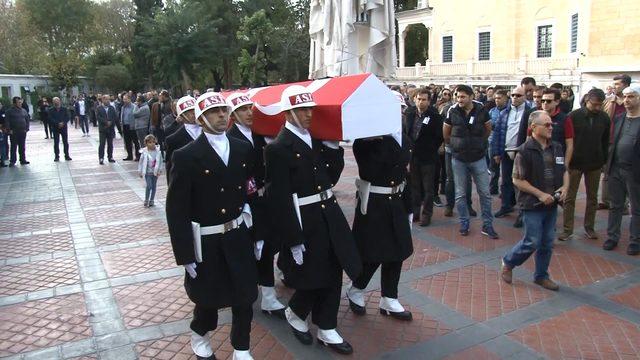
(111,161)
(357,309)
(609,245)
(101,162)
(2,164)
(402,315)
(68,158)
(127,158)
(343,348)
(303,337)
(633,249)
(518,223)
(24,163)
(275,313)
(212,357)
(56,159)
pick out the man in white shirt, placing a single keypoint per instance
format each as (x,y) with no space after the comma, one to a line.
(81,114)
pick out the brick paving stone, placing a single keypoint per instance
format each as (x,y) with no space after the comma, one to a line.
(154,302)
(374,334)
(629,297)
(118,213)
(582,333)
(477,352)
(105,187)
(263,346)
(425,254)
(95,178)
(577,268)
(108,235)
(17,279)
(478,292)
(92,171)
(602,233)
(138,260)
(43,323)
(35,244)
(32,208)
(475,240)
(116,198)
(34,223)
(85,357)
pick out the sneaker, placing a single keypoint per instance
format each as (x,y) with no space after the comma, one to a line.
(448,212)
(547,284)
(633,249)
(472,212)
(488,230)
(437,202)
(506,273)
(610,245)
(464,228)
(590,234)
(564,236)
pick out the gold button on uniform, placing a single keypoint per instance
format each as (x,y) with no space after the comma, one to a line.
(206,171)
(327,165)
(297,155)
(244,165)
(223,211)
(323,206)
(319,187)
(315,168)
(221,189)
(393,183)
(389,197)
(239,187)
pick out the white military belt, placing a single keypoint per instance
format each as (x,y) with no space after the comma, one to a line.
(312,199)
(222,228)
(387,190)
(365,188)
(261,192)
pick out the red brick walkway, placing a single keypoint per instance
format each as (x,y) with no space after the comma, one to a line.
(86,272)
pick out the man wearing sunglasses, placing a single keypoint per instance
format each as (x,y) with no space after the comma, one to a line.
(505,136)
(591,127)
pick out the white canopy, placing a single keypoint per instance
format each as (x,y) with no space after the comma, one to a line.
(352,37)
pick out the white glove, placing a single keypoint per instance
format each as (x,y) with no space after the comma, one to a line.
(191,269)
(257,249)
(411,221)
(297,251)
(332,144)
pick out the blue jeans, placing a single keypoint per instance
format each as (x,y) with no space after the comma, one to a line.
(449,187)
(539,232)
(507,190)
(480,173)
(150,191)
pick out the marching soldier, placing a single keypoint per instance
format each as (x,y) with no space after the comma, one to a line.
(188,132)
(316,239)
(242,117)
(208,218)
(382,223)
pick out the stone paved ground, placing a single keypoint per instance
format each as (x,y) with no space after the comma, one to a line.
(87,273)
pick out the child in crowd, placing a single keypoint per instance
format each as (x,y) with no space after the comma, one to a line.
(149,167)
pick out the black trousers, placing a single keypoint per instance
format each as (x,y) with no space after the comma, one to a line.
(18,140)
(206,319)
(421,180)
(389,277)
(265,267)
(108,138)
(130,141)
(84,123)
(57,133)
(322,304)
(46,128)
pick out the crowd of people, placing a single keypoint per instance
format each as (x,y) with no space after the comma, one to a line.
(237,199)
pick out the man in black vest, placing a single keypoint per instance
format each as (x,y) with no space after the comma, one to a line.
(58,118)
(189,131)
(466,130)
(425,129)
(107,117)
(542,180)
(265,246)
(208,218)
(316,239)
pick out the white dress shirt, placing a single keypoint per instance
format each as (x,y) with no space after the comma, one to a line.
(193,130)
(303,134)
(246,132)
(219,143)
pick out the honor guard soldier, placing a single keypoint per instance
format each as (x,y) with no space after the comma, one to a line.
(316,239)
(208,218)
(188,132)
(242,117)
(382,223)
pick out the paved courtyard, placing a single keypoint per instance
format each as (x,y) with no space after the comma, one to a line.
(86,272)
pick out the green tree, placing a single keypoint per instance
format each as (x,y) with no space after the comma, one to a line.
(113,77)
(21,49)
(255,31)
(416,45)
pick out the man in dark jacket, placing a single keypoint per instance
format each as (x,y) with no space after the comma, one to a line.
(266,247)
(317,243)
(623,171)
(107,117)
(208,218)
(540,175)
(466,130)
(424,127)
(16,123)
(592,128)
(58,120)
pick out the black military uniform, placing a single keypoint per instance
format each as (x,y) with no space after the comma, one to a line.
(205,191)
(175,141)
(381,225)
(295,168)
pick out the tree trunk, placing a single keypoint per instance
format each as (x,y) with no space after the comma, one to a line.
(186,80)
(227,71)
(254,71)
(217,79)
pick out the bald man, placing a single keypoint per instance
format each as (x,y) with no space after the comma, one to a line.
(505,136)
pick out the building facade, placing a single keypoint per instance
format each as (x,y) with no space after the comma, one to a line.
(579,43)
(22,85)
